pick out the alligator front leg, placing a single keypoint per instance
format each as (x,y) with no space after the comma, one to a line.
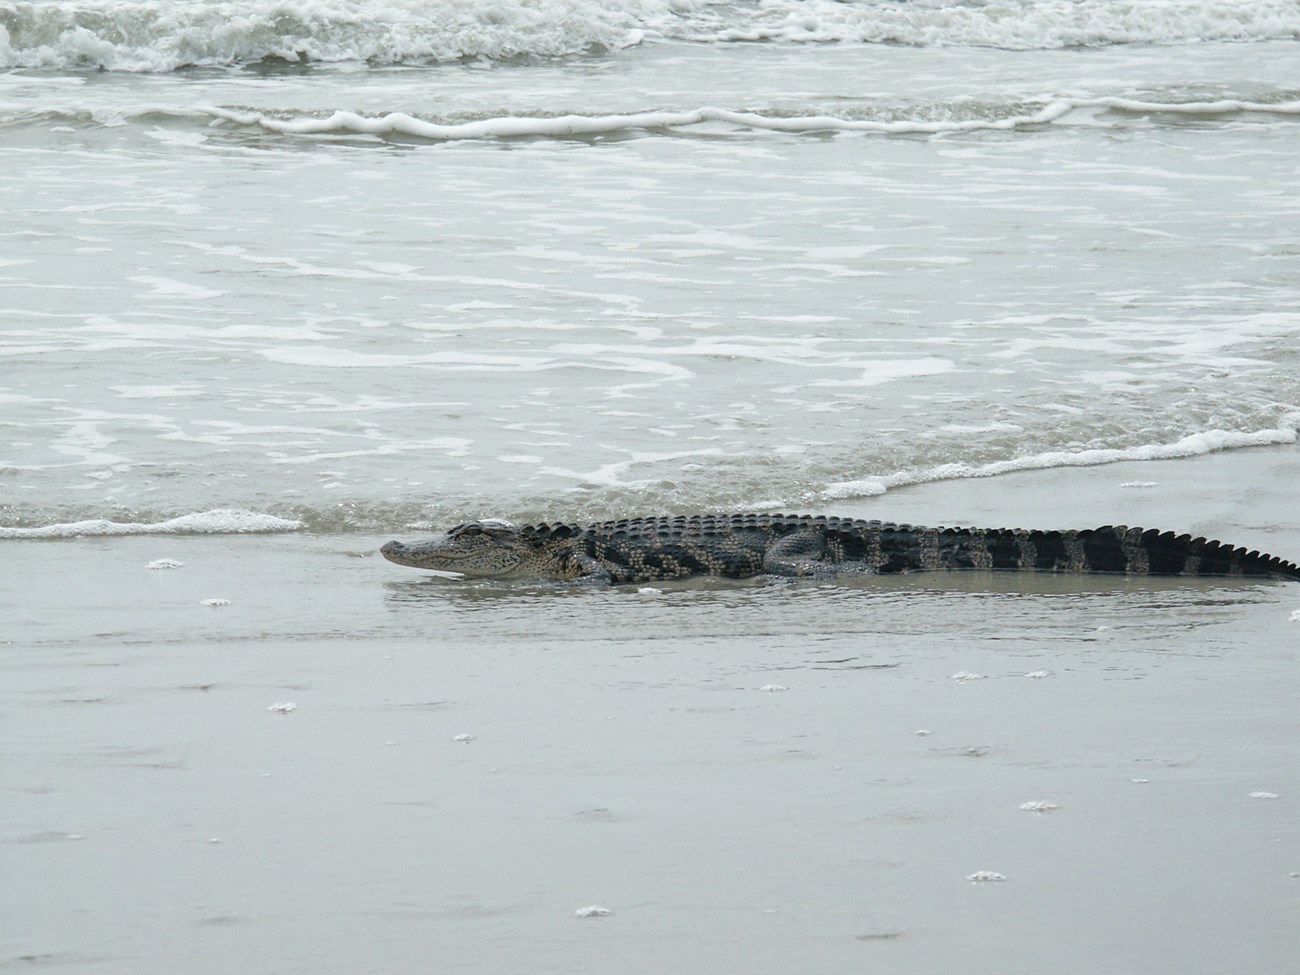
(590,570)
(805,553)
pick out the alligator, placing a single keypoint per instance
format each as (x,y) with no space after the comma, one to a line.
(638,550)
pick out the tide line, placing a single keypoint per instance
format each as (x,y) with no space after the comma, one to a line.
(219,521)
(1193,445)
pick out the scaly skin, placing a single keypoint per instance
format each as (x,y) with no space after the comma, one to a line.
(636,550)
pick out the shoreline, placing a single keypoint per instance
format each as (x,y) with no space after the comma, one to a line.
(1214,492)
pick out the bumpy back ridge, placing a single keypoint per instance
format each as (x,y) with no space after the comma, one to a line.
(893,548)
(1134,551)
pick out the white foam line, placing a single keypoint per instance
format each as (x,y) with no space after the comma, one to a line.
(570,126)
(219,521)
(564,126)
(1226,106)
(1195,445)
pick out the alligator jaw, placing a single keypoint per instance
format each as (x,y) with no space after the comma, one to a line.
(422,555)
(472,553)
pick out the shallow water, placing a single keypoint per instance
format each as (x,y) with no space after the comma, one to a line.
(225,292)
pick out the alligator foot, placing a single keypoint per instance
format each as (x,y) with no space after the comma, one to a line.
(803,554)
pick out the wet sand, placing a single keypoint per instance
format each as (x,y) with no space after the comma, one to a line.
(757,777)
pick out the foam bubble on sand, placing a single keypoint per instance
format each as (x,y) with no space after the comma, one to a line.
(218,521)
(985,876)
(165,564)
(593,910)
(1038,806)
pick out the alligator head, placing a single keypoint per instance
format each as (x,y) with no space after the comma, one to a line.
(477,550)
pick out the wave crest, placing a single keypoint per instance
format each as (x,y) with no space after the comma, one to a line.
(1019,24)
(163,35)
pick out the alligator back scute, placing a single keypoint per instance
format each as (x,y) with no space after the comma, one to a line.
(1168,553)
(669,546)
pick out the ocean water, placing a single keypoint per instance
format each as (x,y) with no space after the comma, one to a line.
(279,282)
(361,265)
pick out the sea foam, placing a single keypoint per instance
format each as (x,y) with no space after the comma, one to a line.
(219,521)
(1193,445)
(163,35)
(1017,24)
(572,126)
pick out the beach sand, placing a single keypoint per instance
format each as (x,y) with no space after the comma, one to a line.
(758,777)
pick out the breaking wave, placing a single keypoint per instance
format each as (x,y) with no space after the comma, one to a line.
(163,35)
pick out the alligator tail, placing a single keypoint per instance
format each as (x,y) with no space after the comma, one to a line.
(1119,549)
